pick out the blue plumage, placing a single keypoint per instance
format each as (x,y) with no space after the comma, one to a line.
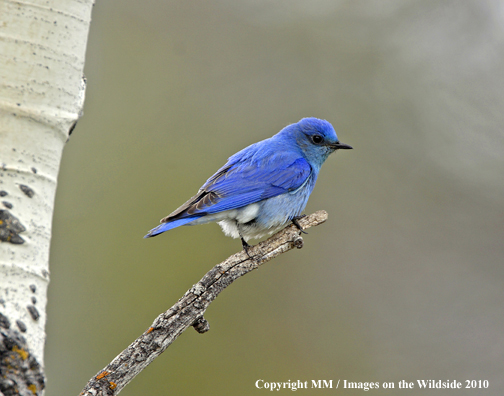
(168,226)
(262,187)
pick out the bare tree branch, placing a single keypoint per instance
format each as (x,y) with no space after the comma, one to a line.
(189,310)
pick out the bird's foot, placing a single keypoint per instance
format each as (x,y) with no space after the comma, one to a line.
(246,247)
(296,223)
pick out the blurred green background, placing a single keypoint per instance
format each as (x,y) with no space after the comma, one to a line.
(405,280)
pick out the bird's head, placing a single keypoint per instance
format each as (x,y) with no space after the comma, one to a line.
(317,139)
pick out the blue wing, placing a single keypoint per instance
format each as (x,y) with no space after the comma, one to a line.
(250,176)
(246,183)
(243,181)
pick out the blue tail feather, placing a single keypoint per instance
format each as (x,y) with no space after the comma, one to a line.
(169,225)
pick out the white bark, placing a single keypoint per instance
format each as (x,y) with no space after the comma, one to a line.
(42,49)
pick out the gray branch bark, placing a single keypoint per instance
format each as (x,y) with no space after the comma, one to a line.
(189,310)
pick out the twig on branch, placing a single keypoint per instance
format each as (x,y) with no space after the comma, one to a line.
(189,310)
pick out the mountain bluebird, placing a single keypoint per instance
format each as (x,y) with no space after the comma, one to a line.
(262,187)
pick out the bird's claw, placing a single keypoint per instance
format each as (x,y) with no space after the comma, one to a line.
(246,247)
(296,223)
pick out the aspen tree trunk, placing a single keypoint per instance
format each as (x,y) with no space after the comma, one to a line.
(42,49)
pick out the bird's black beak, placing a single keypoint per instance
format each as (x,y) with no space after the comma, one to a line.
(341,146)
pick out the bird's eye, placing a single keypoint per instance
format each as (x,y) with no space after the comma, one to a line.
(317,139)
